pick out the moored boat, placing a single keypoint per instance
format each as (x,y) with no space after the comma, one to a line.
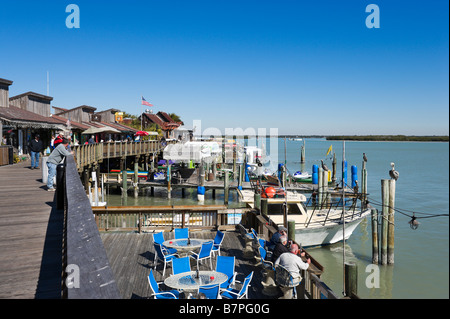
(314,225)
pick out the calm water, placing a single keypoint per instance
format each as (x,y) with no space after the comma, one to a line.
(421,268)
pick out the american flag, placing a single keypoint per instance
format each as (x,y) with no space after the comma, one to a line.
(144,102)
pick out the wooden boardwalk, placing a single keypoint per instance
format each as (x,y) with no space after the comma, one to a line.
(30,235)
(131,258)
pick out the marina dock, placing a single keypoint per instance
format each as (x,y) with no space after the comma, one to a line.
(41,242)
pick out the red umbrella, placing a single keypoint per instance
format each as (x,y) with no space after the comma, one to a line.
(141,133)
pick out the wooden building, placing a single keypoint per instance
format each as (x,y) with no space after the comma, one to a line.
(4,100)
(82,114)
(108,116)
(162,120)
(32,102)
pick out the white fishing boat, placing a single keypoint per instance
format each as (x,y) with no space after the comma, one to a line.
(314,226)
(324,226)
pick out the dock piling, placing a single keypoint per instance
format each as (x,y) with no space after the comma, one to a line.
(374,215)
(384,223)
(351,279)
(391,224)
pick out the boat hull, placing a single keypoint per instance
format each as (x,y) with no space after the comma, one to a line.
(326,235)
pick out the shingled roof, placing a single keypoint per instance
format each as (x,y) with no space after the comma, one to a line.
(21,117)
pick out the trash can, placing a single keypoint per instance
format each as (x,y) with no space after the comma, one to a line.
(60,189)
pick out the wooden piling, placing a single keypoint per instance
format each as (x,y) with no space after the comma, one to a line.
(333,167)
(257,201)
(136,177)
(214,170)
(391,222)
(169,180)
(225,187)
(303,154)
(351,279)
(123,164)
(384,223)
(325,198)
(264,206)
(291,230)
(319,186)
(375,248)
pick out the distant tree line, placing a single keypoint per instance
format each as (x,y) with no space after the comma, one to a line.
(400,138)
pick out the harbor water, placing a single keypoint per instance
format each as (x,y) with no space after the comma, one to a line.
(421,268)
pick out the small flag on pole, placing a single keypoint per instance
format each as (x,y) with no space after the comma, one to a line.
(144,102)
(329,150)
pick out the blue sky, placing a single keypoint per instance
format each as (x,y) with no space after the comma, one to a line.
(304,67)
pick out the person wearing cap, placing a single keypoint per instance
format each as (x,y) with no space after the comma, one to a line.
(292,262)
(36,148)
(282,231)
(56,157)
(58,140)
(280,248)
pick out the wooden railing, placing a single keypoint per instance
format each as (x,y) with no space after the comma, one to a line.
(148,218)
(87,271)
(86,155)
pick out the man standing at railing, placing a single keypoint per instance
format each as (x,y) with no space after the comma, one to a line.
(56,157)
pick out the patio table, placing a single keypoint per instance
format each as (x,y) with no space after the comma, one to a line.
(188,281)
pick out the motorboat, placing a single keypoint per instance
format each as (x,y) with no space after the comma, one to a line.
(315,225)
(299,176)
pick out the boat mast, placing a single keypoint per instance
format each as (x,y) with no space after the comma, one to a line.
(285,187)
(343,216)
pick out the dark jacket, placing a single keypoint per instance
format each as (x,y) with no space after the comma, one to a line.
(279,249)
(36,146)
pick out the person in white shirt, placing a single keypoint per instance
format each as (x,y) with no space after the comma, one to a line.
(292,262)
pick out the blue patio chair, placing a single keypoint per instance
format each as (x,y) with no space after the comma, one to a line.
(226,265)
(181,233)
(231,293)
(164,256)
(262,242)
(265,263)
(157,294)
(204,253)
(254,233)
(180,265)
(210,292)
(218,242)
(159,239)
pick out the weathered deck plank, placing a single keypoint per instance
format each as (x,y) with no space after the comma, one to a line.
(131,258)
(30,235)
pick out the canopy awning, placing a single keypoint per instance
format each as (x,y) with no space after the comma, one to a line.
(195,151)
(104,129)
